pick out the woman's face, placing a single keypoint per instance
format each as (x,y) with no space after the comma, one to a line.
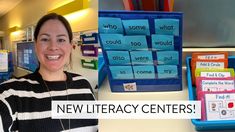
(53,47)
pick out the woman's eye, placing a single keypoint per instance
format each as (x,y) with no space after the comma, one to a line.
(44,39)
(61,40)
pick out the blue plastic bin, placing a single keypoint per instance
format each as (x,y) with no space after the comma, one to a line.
(5,76)
(146,85)
(208,125)
(102,71)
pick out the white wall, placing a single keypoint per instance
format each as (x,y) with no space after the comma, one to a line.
(90,74)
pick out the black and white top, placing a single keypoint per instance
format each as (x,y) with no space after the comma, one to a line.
(25,104)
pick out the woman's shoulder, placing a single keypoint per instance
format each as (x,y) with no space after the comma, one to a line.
(79,80)
(19,82)
(75,76)
(30,78)
(72,74)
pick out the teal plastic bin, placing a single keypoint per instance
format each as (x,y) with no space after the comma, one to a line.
(208,125)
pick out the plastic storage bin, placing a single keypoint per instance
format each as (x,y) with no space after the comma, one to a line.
(133,82)
(6,75)
(90,64)
(102,71)
(89,38)
(208,125)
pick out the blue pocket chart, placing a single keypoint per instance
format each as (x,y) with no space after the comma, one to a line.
(144,72)
(110,25)
(121,72)
(162,42)
(136,27)
(112,41)
(141,57)
(167,26)
(167,71)
(168,57)
(136,42)
(145,52)
(118,57)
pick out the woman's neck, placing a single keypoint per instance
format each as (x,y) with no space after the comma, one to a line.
(52,76)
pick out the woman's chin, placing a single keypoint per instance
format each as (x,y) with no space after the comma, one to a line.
(53,67)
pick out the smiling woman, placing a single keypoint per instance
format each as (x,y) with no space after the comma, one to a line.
(53,46)
(25,103)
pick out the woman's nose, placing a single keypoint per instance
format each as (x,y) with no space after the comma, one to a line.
(53,45)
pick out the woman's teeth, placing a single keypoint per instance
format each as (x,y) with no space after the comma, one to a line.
(53,57)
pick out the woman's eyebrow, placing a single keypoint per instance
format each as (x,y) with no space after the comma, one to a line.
(61,35)
(44,34)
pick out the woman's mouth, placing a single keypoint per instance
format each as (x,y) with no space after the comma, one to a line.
(53,57)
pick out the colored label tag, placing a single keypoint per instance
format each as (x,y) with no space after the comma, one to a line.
(220,106)
(167,71)
(130,86)
(112,41)
(110,25)
(167,26)
(168,57)
(215,74)
(210,65)
(89,50)
(89,38)
(136,42)
(144,72)
(121,72)
(118,57)
(217,85)
(141,57)
(90,64)
(137,27)
(163,42)
(211,57)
